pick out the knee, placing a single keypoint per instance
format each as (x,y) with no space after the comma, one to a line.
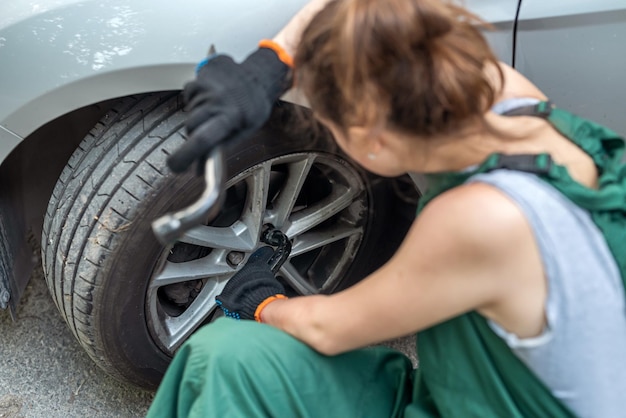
(233,339)
(227,346)
(233,354)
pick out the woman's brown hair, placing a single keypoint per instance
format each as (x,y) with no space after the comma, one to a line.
(415,66)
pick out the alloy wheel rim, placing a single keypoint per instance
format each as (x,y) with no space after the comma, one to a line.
(318,200)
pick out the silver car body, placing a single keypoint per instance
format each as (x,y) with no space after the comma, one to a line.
(574,51)
(61,55)
(58,56)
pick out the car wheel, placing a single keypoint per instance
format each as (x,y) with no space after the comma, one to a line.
(131,302)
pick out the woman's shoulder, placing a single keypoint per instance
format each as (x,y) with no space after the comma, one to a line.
(478,214)
(513,84)
(475,243)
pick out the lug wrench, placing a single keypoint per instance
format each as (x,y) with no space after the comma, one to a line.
(171,227)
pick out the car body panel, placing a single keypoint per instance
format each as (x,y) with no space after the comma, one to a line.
(541,9)
(89,51)
(501,14)
(63,55)
(575,54)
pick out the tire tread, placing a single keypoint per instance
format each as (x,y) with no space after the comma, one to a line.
(90,205)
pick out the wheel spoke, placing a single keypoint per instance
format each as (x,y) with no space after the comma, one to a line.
(212,265)
(312,240)
(243,235)
(284,203)
(258,188)
(175,330)
(296,281)
(238,237)
(340,198)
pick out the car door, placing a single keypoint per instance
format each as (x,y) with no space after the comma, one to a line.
(574,51)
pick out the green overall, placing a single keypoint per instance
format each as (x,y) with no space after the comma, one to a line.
(245,369)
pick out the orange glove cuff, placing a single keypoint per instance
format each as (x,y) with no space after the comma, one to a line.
(280,51)
(262,305)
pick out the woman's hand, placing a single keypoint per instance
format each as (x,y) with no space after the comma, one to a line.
(228,101)
(251,288)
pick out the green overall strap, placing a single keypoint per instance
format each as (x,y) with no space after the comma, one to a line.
(465,368)
(438,183)
(607,203)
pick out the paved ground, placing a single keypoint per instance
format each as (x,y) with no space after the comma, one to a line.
(45,373)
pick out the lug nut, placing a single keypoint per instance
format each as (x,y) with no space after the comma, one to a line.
(235,258)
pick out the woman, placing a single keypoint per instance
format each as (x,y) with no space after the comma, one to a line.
(508,274)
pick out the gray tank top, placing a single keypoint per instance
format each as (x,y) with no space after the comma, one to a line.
(581,356)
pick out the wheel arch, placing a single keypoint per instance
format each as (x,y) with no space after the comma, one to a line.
(67,99)
(82,51)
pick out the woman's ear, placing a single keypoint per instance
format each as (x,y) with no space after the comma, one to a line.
(365,140)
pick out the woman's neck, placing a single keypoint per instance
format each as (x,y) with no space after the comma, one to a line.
(508,135)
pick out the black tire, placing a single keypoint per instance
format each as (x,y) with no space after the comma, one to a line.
(99,252)
(5,266)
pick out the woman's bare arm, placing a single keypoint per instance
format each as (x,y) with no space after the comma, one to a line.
(469,250)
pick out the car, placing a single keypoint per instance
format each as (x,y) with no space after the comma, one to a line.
(90,108)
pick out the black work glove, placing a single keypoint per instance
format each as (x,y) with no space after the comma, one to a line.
(228,101)
(250,286)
